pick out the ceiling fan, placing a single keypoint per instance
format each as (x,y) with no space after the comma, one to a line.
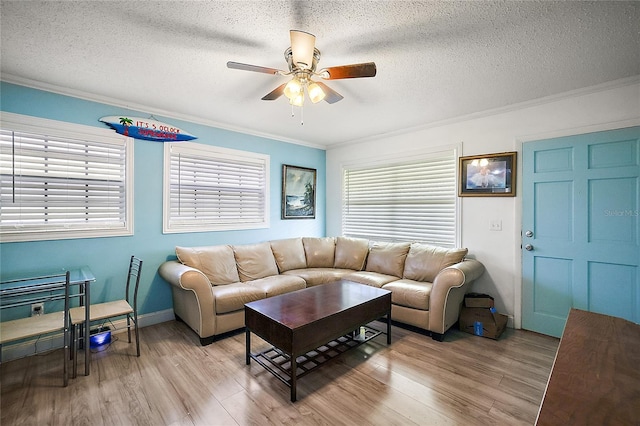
(302,58)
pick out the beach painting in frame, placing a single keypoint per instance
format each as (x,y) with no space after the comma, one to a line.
(298,192)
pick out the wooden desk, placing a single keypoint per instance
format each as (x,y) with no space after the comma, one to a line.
(596,374)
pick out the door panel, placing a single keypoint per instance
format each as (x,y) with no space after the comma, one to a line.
(554,277)
(553,215)
(613,289)
(581,201)
(553,160)
(609,199)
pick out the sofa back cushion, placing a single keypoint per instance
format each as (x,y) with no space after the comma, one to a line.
(387,258)
(424,261)
(216,262)
(289,254)
(351,253)
(320,252)
(255,261)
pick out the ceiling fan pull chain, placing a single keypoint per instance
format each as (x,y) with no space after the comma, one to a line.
(302,115)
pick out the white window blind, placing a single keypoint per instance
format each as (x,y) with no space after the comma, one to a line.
(56,187)
(211,188)
(409,201)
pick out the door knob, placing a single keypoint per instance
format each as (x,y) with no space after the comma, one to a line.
(528,247)
(528,234)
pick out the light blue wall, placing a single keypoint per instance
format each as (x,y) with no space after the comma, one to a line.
(108,257)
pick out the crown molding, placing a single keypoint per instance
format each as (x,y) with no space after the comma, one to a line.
(623,82)
(92,97)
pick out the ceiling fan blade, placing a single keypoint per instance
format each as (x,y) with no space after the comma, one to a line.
(367,69)
(254,68)
(302,45)
(275,93)
(331,96)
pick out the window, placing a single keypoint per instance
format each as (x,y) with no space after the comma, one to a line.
(408,200)
(209,188)
(62,180)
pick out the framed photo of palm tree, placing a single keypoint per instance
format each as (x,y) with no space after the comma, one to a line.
(298,192)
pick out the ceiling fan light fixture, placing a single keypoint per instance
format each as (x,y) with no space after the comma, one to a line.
(297,100)
(302,46)
(316,94)
(293,89)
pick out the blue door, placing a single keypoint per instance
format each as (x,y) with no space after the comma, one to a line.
(580,228)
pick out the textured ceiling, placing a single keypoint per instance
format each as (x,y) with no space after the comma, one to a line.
(436,60)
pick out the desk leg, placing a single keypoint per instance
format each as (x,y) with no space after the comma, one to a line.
(248,346)
(294,374)
(87,326)
(66,335)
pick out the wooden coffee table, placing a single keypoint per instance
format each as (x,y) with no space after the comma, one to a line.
(310,327)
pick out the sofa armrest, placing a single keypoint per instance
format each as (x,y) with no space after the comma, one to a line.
(186,278)
(193,300)
(447,293)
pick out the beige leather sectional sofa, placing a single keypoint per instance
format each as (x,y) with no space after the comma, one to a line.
(211,284)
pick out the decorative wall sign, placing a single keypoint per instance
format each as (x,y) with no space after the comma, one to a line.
(490,175)
(298,192)
(146,129)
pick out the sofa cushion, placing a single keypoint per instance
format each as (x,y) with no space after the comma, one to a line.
(255,261)
(424,261)
(216,262)
(289,254)
(232,297)
(387,258)
(409,293)
(373,279)
(351,253)
(320,252)
(278,284)
(315,276)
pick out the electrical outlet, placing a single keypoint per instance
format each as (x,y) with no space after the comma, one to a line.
(37,309)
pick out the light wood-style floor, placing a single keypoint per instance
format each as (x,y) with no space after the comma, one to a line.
(465,380)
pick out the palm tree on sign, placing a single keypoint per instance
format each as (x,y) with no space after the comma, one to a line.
(126,122)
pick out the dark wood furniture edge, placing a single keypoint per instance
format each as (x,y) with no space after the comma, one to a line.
(594,378)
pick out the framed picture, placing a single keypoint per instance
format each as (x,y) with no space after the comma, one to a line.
(298,192)
(490,175)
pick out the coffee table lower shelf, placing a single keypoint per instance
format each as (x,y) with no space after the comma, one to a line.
(279,363)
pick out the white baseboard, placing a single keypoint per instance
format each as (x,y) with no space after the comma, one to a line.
(55,341)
